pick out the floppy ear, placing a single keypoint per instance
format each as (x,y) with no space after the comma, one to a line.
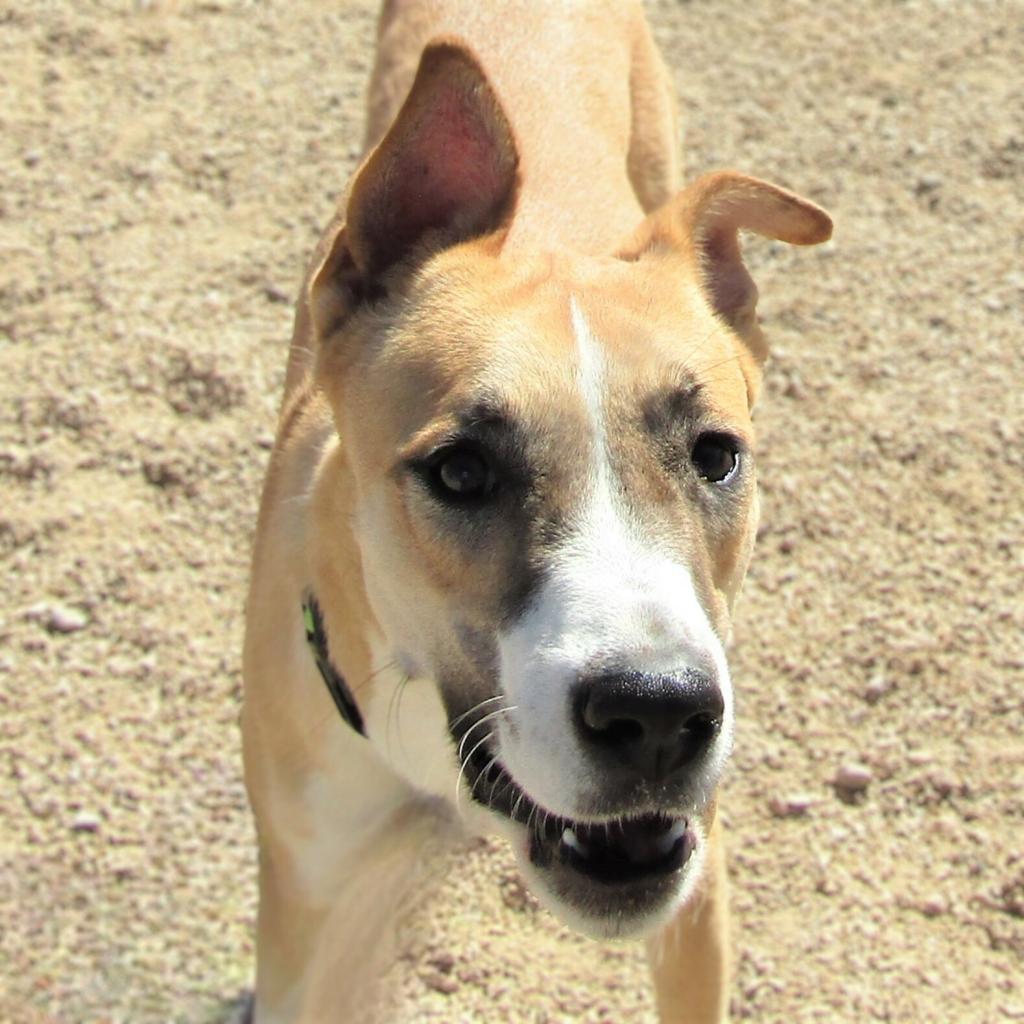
(446,171)
(703,223)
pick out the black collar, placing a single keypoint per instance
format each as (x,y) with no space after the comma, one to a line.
(317,640)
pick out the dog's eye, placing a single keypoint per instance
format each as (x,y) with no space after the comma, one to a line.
(716,457)
(462,474)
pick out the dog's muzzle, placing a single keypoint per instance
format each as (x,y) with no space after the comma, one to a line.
(648,739)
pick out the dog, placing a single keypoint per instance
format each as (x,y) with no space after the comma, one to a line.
(509,507)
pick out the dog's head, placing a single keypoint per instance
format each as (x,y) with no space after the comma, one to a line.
(551,459)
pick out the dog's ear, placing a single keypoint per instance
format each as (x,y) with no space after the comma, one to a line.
(446,172)
(703,223)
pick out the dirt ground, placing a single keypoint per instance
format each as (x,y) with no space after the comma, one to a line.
(164,170)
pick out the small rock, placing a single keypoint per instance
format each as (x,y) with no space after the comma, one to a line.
(794,388)
(878,686)
(794,805)
(933,906)
(927,183)
(85,821)
(516,896)
(945,785)
(444,962)
(439,982)
(274,293)
(62,619)
(852,778)
(826,886)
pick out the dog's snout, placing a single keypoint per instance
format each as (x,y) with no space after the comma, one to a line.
(653,724)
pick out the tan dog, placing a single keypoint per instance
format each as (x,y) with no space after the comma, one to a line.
(514,484)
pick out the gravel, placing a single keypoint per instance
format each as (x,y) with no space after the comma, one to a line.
(166,169)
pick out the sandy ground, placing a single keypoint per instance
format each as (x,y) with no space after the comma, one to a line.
(165,169)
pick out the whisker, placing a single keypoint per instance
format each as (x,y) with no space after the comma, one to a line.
(370,676)
(519,800)
(714,366)
(490,764)
(465,763)
(503,792)
(530,816)
(698,345)
(509,785)
(475,707)
(394,709)
(478,723)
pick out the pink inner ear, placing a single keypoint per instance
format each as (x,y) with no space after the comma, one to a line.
(449,172)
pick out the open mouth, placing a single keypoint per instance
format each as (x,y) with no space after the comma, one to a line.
(622,852)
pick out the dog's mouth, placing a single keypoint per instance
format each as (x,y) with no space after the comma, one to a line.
(623,852)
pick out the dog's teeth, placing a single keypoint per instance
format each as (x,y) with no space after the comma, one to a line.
(664,843)
(570,839)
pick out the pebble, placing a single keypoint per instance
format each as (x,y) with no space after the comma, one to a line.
(878,686)
(794,388)
(793,805)
(273,293)
(516,896)
(439,982)
(852,778)
(444,962)
(62,619)
(85,821)
(933,906)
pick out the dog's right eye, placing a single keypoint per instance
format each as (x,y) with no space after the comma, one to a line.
(462,474)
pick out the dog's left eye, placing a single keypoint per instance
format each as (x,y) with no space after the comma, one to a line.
(716,457)
(462,474)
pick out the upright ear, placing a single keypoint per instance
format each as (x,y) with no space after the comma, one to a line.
(446,171)
(703,222)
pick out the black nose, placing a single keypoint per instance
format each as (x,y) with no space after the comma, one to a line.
(655,724)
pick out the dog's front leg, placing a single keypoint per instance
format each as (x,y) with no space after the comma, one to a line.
(323,949)
(690,957)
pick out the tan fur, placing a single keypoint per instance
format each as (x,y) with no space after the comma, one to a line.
(590,149)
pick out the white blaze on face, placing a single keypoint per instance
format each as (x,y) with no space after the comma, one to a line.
(610,597)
